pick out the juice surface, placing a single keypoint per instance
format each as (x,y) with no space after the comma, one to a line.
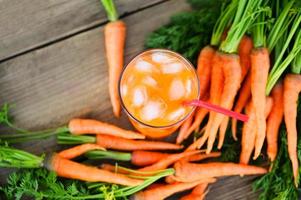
(154,86)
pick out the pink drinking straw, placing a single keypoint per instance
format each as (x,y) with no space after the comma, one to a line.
(216,108)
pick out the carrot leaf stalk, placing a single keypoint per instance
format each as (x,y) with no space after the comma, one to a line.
(98,154)
(110,9)
(14,158)
(65,138)
(296,66)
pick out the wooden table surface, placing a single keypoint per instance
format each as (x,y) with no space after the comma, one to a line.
(53,68)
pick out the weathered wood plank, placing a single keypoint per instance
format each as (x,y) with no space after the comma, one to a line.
(28,24)
(69,79)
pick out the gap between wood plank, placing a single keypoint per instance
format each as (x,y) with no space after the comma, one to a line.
(78,32)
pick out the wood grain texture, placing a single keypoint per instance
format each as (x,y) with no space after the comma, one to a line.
(27,24)
(49,86)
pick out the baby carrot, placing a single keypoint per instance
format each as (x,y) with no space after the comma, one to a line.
(73,170)
(79,150)
(115,35)
(204,66)
(243,97)
(86,126)
(188,172)
(198,193)
(162,192)
(274,121)
(292,88)
(232,77)
(260,65)
(112,142)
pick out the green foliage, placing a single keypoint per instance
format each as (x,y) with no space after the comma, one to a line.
(187,32)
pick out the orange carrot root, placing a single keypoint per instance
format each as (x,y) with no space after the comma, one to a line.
(198,193)
(260,65)
(73,170)
(184,128)
(244,96)
(244,51)
(79,150)
(222,132)
(112,142)
(145,158)
(188,172)
(231,70)
(202,156)
(115,34)
(274,121)
(89,126)
(292,88)
(162,192)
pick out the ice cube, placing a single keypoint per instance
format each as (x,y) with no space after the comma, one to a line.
(172,68)
(177,114)
(148,80)
(176,90)
(188,86)
(160,58)
(143,66)
(139,96)
(153,109)
(124,90)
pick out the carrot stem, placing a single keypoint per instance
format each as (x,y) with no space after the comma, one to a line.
(110,9)
(98,154)
(66,138)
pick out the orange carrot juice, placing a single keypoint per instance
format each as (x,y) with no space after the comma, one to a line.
(153,87)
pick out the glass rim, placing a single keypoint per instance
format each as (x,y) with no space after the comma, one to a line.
(162,50)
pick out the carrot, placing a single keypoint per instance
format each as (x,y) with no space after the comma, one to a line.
(170,179)
(79,150)
(112,142)
(86,126)
(198,119)
(113,168)
(204,65)
(202,156)
(115,35)
(198,193)
(292,88)
(232,74)
(169,160)
(222,132)
(162,192)
(260,65)
(244,96)
(244,50)
(69,169)
(188,172)
(249,131)
(184,128)
(144,158)
(274,121)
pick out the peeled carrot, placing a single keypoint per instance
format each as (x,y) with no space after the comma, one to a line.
(274,121)
(184,128)
(79,150)
(188,172)
(169,160)
(198,193)
(69,169)
(231,70)
(244,50)
(292,88)
(249,131)
(86,126)
(162,192)
(144,158)
(260,65)
(204,66)
(244,96)
(112,142)
(115,35)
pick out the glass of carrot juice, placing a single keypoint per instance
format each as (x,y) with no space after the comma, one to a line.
(152,89)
